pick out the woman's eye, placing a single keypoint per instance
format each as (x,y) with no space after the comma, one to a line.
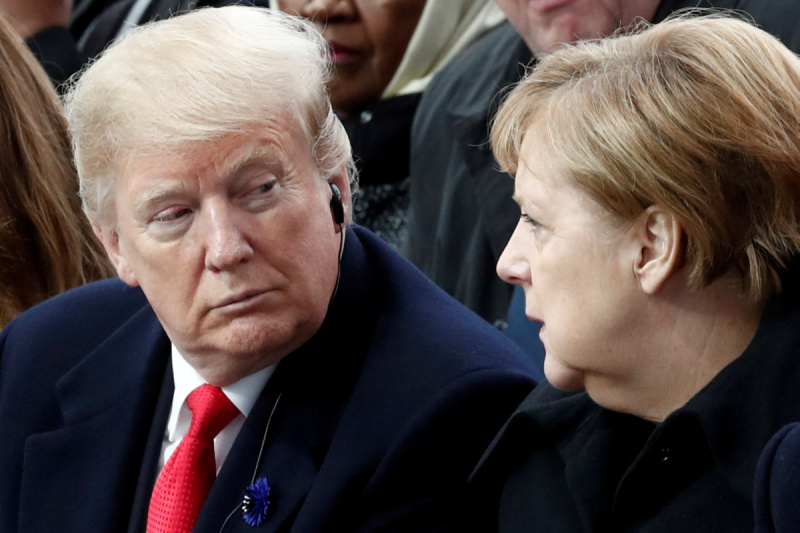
(530,221)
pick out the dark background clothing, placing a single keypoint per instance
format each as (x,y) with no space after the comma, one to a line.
(568,464)
(63,51)
(777,487)
(524,332)
(85,11)
(381,416)
(57,51)
(461,214)
(380,135)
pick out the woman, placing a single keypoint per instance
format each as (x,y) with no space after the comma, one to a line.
(384,55)
(46,245)
(658,178)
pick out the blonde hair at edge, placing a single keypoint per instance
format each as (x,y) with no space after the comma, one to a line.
(210,73)
(46,244)
(700,115)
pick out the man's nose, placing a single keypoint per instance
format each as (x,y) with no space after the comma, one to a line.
(512,266)
(226,244)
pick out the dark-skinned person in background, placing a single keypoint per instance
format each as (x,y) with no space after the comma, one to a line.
(385,54)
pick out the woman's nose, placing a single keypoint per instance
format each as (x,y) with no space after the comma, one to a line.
(512,266)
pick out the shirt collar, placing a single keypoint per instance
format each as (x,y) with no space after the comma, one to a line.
(243,394)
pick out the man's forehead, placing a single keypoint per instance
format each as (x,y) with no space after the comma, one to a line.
(220,156)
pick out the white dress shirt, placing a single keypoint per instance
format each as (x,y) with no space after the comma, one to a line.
(243,394)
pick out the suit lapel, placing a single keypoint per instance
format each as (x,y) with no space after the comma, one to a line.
(152,454)
(295,443)
(84,475)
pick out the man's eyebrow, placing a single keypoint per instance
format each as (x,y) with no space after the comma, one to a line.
(259,154)
(151,196)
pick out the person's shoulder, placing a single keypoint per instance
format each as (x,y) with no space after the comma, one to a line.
(777,486)
(433,328)
(89,311)
(44,343)
(487,57)
(479,71)
(95,302)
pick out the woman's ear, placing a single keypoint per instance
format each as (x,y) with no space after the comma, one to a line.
(660,238)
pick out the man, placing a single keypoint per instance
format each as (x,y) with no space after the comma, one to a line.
(461,211)
(349,393)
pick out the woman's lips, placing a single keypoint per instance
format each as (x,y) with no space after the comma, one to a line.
(344,54)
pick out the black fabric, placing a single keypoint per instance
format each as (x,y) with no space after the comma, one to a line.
(461,214)
(380,135)
(777,487)
(95,24)
(85,11)
(56,50)
(105,27)
(568,464)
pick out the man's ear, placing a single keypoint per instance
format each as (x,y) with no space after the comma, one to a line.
(341,180)
(660,241)
(110,239)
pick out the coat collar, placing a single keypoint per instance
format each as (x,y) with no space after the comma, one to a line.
(760,386)
(105,402)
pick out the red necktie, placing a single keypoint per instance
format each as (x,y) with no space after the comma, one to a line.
(186,479)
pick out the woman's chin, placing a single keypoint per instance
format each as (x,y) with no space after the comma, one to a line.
(562,377)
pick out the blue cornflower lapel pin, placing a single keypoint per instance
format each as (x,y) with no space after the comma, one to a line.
(256,502)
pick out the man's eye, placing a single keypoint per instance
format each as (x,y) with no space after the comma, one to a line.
(169,215)
(261,194)
(264,188)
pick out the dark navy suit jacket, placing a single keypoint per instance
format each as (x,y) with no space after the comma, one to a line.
(382,414)
(777,489)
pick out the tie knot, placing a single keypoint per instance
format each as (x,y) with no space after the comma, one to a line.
(211,411)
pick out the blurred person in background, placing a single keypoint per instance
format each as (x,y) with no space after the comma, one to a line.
(46,244)
(384,55)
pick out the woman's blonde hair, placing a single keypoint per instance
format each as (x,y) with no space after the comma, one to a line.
(697,114)
(46,244)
